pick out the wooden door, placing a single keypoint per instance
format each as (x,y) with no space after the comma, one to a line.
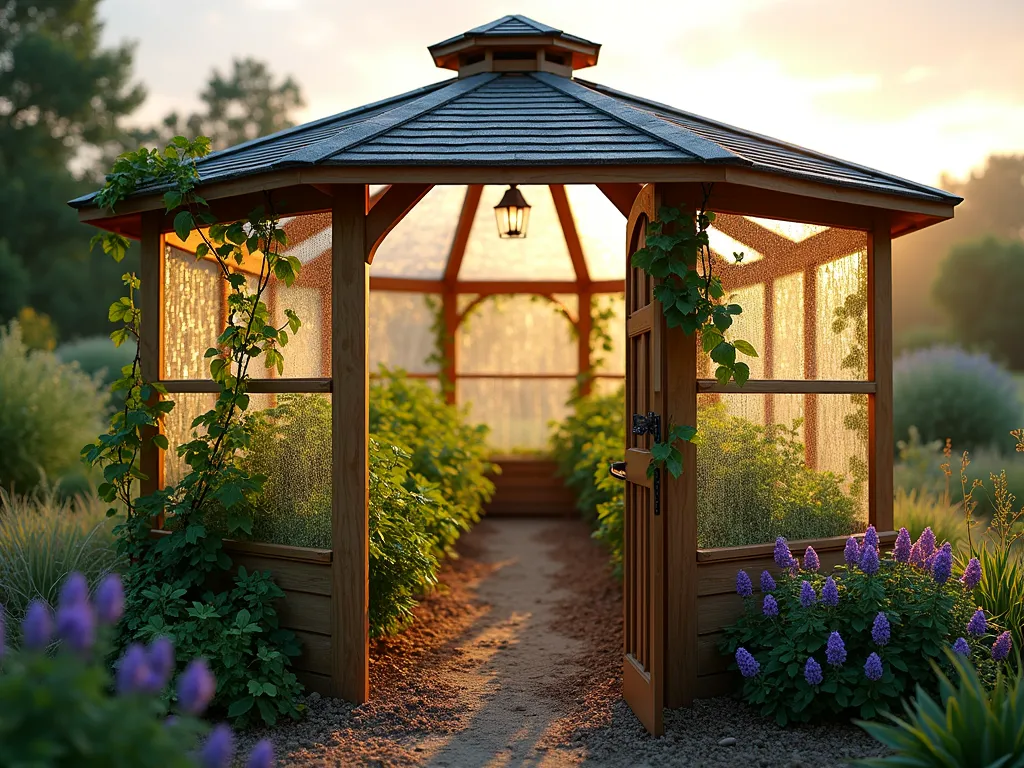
(644,551)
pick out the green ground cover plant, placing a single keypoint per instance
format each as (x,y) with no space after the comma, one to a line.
(48,409)
(855,639)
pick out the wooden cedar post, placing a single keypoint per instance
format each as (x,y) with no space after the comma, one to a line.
(811,365)
(584,322)
(679,500)
(350,374)
(880,435)
(151,302)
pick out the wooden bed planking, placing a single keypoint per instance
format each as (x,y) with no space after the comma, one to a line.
(529,487)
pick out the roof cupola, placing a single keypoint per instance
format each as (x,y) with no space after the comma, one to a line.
(515,44)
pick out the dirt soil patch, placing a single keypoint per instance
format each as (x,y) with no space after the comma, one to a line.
(515,661)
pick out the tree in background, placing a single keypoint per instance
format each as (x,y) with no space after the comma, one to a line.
(239,108)
(993,205)
(978,286)
(62,101)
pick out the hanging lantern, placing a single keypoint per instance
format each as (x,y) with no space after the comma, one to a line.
(512,214)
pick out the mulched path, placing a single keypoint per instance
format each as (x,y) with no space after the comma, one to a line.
(516,660)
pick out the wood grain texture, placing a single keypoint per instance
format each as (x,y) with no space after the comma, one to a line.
(621,195)
(151,304)
(680,501)
(789,386)
(461,237)
(256,386)
(880,406)
(530,488)
(349,617)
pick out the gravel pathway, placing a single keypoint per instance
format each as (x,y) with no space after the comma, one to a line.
(515,661)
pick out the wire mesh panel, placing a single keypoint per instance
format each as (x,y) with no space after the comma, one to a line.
(402,331)
(599,225)
(419,245)
(518,411)
(193,313)
(792,477)
(518,334)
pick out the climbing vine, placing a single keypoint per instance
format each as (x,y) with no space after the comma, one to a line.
(678,255)
(852,317)
(168,584)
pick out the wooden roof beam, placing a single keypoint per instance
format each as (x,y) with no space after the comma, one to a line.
(462,231)
(621,195)
(388,211)
(572,235)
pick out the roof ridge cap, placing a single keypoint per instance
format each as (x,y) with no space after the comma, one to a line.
(378,125)
(667,133)
(775,141)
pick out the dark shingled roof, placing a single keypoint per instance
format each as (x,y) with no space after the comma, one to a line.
(529,120)
(512,25)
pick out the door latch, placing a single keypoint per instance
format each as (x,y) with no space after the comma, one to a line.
(651,425)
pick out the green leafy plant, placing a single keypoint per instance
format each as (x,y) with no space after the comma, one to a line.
(172,581)
(65,708)
(43,538)
(677,254)
(968,724)
(855,639)
(291,447)
(48,409)
(447,453)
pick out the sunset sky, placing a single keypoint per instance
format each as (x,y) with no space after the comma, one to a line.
(914,87)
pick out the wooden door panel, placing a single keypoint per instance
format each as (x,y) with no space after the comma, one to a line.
(643,545)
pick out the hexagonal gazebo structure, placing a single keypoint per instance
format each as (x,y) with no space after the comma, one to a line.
(400,185)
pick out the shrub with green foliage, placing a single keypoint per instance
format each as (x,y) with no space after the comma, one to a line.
(760,470)
(948,393)
(291,446)
(968,724)
(448,454)
(97,356)
(854,640)
(48,410)
(754,485)
(44,538)
(67,709)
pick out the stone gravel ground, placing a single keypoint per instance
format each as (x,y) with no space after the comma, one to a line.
(515,661)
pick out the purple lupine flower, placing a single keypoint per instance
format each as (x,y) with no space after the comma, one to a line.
(835,650)
(807,595)
(110,599)
(161,660)
(978,625)
(871,537)
(873,668)
(972,574)
(76,625)
(961,647)
(134,673)
(75,590)
(767,582)
(219,749)
(262,755)
(770,607)
(830,593)
(901,551)
(942,568)
(929,562)
(927,541)
(196,687)
(869,561)
(851,553)
(747,663)
(811,561)
(880,630)
(812,672)
(783,557)
(743,586)
(916,555)
(1002,646)
(37,626)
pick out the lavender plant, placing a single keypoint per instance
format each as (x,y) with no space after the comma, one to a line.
(66,708)
(878,625)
